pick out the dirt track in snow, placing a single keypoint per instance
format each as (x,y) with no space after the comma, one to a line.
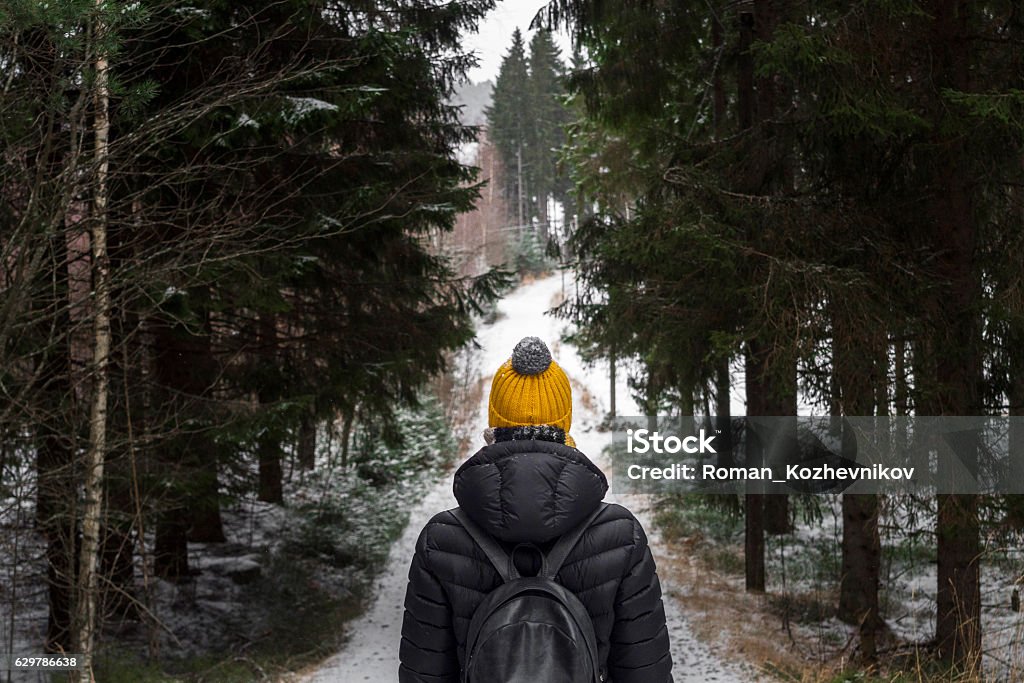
(371,653)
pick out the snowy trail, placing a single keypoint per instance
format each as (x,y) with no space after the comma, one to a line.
(371,654)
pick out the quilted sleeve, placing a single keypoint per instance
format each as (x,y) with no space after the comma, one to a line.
(428,651)
(639,647)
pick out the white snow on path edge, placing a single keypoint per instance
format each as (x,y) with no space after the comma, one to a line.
(371,653)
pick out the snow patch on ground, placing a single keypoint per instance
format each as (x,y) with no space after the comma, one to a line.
(279,562)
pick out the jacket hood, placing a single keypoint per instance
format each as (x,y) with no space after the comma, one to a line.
(528,490)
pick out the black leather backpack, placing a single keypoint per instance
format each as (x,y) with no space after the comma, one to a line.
(530,629)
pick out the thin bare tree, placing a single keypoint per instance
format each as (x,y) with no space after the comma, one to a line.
(85,605)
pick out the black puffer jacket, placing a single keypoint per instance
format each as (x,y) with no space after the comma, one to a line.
(534,491)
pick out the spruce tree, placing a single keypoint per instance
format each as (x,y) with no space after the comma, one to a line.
(508,120)
(546,135)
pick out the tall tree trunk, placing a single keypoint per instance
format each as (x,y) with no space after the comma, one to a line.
(768,178)
(753,543)
(206,523)
(117,534)
(861,557)
(307,441)
(611,383)
(519,187)
(269,445)
(723,381)
(185,372)
(957,331)
(206,526)
(542,214)
(856,373)
(170,551)
(92,509)
(753,502)
(55,509)
(271,489)
(781,401)
(346,436)
(204,502)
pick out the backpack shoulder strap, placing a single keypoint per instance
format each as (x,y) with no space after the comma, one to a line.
(495,553)
(564,545)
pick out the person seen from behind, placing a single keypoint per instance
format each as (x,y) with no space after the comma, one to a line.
(533,579)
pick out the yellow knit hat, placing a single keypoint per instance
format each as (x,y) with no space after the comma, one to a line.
(531,389)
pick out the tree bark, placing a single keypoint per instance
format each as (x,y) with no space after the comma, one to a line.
(346,436)
(117,533)
(268,447)
(753,503)
(170,551)
(861,562)
(185,371)
(85,607)
(781,402)
(956,330)
(856,373)
(206,525)
(611,382)
(307,441)
(271,489)
(56,489)
(780,391)
(753,543)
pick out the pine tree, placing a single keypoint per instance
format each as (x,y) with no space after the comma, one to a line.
(508,120)
(545,136)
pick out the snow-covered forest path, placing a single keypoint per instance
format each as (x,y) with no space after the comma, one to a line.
(371,654)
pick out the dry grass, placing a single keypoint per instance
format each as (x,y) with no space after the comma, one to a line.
(583,395)
(782,635)
(526,278)
(464,419)
(461,390)
(719,610)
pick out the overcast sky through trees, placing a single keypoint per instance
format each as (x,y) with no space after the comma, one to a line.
(495,35)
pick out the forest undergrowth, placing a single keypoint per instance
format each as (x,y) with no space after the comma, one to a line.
(791,632)
(278,593)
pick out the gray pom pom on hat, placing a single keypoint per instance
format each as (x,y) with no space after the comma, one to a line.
(531,356)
